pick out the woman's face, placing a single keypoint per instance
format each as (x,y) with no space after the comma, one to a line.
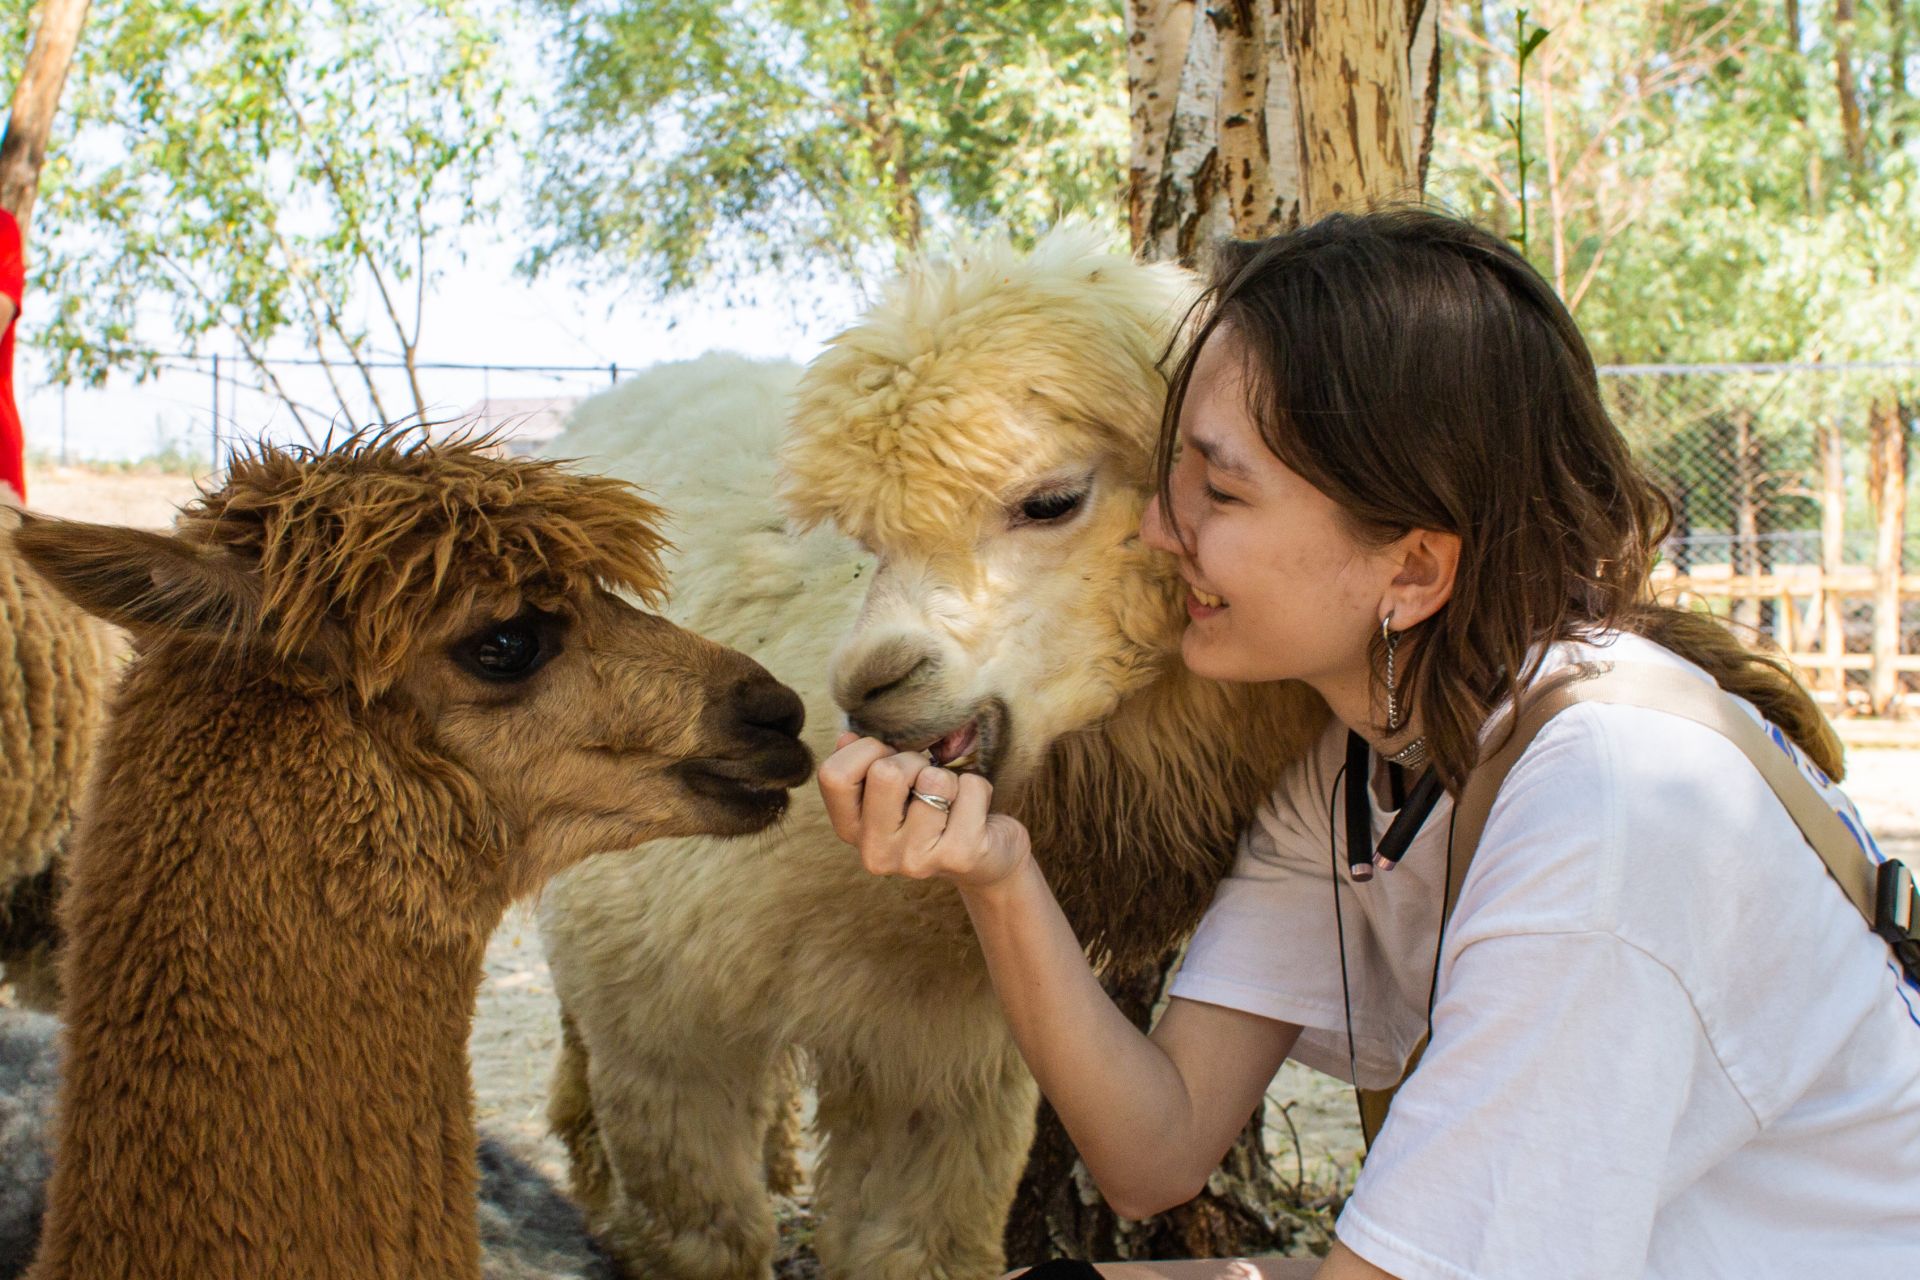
(1278,587)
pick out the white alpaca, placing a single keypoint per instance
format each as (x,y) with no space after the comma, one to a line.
(986,434)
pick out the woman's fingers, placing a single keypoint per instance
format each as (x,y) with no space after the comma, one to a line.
(967,820)
(869,790)
(884,805)
(843,778)
(923,824)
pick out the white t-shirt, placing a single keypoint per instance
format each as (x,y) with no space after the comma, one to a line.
(1665,1045)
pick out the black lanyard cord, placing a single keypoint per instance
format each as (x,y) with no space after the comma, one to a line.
(1339,920)
(1417,806)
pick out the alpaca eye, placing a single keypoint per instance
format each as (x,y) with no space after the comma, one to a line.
(503,651)
(1049,507)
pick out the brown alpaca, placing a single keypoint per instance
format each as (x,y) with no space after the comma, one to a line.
(55,669)
(377,693)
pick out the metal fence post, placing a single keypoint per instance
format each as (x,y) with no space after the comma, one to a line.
(216,412)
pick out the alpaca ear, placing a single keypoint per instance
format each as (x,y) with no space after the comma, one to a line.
(149,583)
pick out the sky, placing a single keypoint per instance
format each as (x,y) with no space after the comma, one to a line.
(478,312)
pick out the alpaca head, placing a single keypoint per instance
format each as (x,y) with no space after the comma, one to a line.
(471,599)
(987,433)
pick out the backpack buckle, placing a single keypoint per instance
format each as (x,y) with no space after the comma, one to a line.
(1896,914)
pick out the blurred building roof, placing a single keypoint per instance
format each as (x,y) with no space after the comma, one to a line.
(522,425)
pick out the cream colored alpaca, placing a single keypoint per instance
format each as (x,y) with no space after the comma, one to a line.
(986,432)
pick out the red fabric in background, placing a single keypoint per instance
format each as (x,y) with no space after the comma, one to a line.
(13,281)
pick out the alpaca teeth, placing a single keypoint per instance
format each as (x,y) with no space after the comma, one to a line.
(959,762)
(1207,598)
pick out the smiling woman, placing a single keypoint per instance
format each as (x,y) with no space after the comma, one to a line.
(1386,472)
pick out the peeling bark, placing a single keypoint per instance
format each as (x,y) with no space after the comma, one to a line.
(1353,88)
(1222,145)
(1158,32)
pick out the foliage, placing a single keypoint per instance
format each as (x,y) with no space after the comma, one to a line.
(255,166)
(1697,195)
(694,142)
(1526,38)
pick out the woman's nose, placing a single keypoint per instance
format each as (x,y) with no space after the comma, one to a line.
(1154,530)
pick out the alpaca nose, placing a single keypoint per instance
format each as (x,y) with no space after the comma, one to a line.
(761,702)
(883,670)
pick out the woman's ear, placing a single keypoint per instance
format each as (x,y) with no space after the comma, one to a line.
(1429,561)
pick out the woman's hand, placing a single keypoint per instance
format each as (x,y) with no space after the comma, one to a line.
(868,787)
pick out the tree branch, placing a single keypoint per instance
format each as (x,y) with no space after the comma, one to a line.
(361,247)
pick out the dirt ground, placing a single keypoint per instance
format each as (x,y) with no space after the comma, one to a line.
(1311,1126)
(146,499)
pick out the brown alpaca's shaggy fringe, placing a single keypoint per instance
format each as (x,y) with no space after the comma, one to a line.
(391,528)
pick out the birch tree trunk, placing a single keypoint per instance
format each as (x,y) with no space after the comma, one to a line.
(24,148)
(1249,118)
(1256,115)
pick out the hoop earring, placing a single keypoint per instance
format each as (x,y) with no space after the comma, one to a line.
(1414,754)
(1390,638)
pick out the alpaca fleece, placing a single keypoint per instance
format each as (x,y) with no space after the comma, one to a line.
(55,665)
(528,1231)
(282,885)
(688,980)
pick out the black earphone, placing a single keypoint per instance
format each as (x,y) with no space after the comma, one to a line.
(1414,810)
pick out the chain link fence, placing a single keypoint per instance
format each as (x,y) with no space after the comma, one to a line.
(1793,511)
(1794,515)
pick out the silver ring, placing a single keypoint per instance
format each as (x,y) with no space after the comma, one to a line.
(939,802)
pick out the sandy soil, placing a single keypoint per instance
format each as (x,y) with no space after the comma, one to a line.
(146,499)
(1311,1127)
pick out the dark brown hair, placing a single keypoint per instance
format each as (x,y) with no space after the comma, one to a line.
(1421,374)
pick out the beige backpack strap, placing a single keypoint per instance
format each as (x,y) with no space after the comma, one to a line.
(1882,893)
(1545,701)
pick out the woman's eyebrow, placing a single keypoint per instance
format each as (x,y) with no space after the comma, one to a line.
(1220,458)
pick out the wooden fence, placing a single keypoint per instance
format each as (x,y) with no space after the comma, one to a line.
(1808,625)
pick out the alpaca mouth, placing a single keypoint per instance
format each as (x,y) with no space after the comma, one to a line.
(975,745)
(752,789)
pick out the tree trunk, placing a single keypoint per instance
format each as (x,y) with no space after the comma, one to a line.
(24,148)
(1833,530)
(1887,484)
(1851,130)
(1255,115)
(1248,118)
(886,139)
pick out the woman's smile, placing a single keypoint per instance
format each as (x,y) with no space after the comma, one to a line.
(1203,604)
